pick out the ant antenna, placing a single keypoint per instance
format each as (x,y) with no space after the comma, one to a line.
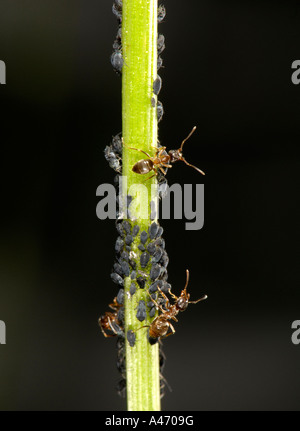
(192,166)
(193,129)
(183,159)
(187,279)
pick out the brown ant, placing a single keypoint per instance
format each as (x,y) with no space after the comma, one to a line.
(110,322)
(161,324)
(160,160)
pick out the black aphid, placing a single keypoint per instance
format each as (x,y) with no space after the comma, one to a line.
(117,61)
(132,289)
(132,263)
(157,255)
(151,248)
(121,387)
(161,13)
(159,111)
(116,144)
(116,278)
(164,260)
(131,338)
(121,315)
(141,311)
(160,242)
(153,102)
(160,232)
(135,230)
(128,239)
(117,10)
(166,287)
(125,255)
(155,271)
(141,282)
(127,226)
(159,62)
(160,43)
(157,84)
(153,229)
(144,259)
(133,275)
(141,247)
(125,268)
(118,269)
(119,245)
(144,237)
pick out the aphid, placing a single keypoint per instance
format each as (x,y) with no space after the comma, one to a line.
(141,311)
(141,282)
(121,387)
(126,226)
(144,235)
(116,278)
(119,245)
(153,102)
(160,242)
(159,111)
(155,271)
(113,159)
(117,9)
(121,315)
(129,240)
(125,268)
(141,247)
(161,13)
(117,61)
(159,62)
(157,255)
(151,248)
(118,269)
(153,229)
(120,297)
(144,259)
(125,255)
(160,160)
(135,230)
(160,43)
(132,289)
(132,263)
(160,326)
(131,338)
(157,84)
(164,260)
(133,275)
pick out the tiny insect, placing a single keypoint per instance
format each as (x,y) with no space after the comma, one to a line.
(161,161)
(161,325)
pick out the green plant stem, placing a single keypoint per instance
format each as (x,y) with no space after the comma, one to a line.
(139,45)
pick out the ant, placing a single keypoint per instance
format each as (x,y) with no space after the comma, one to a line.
(110,322)
(161,160)
(160,326)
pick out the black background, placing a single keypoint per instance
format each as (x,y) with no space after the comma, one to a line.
(228,71)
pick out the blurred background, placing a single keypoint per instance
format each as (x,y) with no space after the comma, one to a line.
(227,69)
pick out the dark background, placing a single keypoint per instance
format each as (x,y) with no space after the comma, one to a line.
(228,71)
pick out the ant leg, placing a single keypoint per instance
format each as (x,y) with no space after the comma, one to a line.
(164,172)
(172,329)
(155,173)
(137,149)
(166,165)
(158,306)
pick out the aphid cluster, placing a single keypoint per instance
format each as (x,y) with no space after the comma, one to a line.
(152,258)
(141,257)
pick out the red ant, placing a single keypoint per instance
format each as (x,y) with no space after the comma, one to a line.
(110,322)
(161,160)
(161,324)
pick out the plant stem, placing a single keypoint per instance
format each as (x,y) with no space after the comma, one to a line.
(139,49)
